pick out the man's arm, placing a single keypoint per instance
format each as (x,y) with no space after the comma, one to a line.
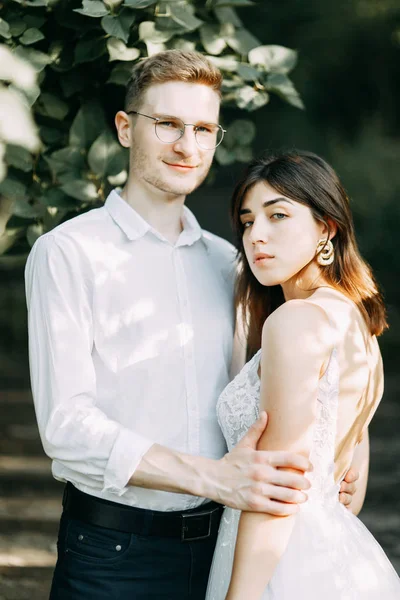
(246,478)
(78,434)
(352,495)
(74,430)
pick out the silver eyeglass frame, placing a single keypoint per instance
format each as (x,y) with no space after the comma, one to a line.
(158,119)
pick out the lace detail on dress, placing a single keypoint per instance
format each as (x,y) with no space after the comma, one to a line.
(322,454)
(238,405)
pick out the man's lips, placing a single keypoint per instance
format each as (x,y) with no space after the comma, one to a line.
(180,166)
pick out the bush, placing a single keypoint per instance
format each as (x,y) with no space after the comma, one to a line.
(81,55)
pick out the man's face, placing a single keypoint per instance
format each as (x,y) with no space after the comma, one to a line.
(179,167)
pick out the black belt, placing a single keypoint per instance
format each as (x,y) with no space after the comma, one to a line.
(188,525)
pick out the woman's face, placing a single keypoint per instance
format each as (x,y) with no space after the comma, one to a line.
(280,235)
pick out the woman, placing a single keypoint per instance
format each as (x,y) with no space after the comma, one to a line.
(315,310)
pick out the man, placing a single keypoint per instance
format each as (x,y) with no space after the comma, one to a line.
(131,326)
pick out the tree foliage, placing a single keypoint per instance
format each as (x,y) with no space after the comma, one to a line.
(67,61)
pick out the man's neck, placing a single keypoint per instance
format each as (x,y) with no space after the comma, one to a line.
(159,209)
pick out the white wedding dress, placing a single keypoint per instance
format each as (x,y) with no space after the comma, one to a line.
(331,555)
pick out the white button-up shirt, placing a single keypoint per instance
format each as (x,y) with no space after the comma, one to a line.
(130,343)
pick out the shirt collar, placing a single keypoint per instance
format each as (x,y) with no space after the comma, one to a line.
(135,227)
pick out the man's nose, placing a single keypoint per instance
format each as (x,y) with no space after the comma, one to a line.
(186,144)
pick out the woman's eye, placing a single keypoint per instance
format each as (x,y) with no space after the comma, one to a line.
(278,216)
(247,224)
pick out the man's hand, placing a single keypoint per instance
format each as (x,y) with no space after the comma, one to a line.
(348,487)
(253,480)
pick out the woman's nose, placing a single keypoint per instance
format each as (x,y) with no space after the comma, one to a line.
(258,234)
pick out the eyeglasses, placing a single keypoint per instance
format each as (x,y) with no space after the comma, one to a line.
(170,129)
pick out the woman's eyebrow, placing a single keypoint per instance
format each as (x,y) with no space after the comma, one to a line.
(246,211)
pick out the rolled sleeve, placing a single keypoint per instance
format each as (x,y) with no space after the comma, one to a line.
(75,432)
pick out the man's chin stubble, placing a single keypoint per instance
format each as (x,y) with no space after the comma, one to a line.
(162,186)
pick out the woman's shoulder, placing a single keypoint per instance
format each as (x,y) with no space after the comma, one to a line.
(298,313)
(299,325)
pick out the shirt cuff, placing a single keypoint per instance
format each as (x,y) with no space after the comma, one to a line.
(127,452)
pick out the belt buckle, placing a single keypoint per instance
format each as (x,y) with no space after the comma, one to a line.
(185,526)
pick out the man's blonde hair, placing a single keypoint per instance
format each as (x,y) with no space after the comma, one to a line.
(170,65)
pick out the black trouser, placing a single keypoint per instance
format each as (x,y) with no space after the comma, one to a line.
(108,564)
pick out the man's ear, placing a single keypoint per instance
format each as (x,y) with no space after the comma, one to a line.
(123,125)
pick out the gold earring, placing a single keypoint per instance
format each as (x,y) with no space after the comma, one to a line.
(325,252)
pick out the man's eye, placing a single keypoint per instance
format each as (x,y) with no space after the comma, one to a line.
(205,129)
(168,124)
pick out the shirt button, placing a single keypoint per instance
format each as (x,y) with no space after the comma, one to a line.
(118,548)
(80,537)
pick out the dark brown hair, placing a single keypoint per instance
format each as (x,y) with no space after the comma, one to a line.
(308,179)
(170,65)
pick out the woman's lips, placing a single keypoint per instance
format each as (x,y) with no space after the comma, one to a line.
(261,258)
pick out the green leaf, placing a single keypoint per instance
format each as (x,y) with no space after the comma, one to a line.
(18,128)
(119,51)
(5,29)
(149,33)
(106,157)
(89,49)
(120,74)
(3,173)
(66,159)
(227,15)
(87,125)
(36,20)
(242,41)
(235,3)
(224,156)
(139,3)
(248,73)
(118,179)
(22,208)
(55,197)
(72,82)
(9,237)
(183,14)
(51,106)
(241,132)
(19,157)
(33,233)
(225,63)
(251,99)
(31,36)
(243,154)
(113,4)
(81,189)
(17,27)
(92,8)
(120,26)
(51,135)
(182,44)
(283,86)
(211,39)
(38,60)
(276,59)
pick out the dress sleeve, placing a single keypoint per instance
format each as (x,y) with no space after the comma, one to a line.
(74,431)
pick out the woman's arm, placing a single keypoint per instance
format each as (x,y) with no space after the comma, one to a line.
(296,345)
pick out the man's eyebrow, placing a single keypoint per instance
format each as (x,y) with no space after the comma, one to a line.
(246,211)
